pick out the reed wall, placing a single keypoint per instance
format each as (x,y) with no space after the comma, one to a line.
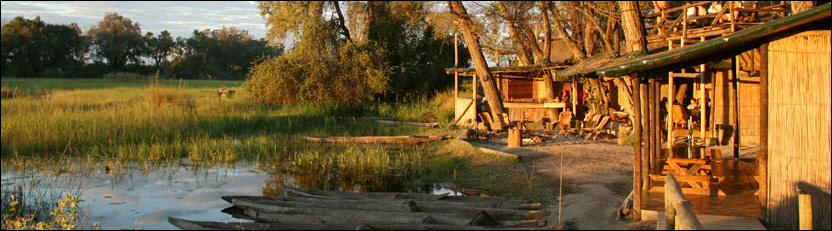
(799,125)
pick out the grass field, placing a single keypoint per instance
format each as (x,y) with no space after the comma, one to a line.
(92,123)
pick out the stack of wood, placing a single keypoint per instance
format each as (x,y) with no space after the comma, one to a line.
(325,210)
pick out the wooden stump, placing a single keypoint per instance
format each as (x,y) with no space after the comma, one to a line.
(514,137)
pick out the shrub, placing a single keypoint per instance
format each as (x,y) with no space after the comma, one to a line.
(355,74)
(125,77)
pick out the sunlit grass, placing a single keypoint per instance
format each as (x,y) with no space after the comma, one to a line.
(111,124)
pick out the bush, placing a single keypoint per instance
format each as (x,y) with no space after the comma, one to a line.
(355,74)
(126,77)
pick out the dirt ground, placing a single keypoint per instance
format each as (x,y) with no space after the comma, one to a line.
(597,178)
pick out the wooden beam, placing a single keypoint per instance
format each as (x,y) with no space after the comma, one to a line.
(637,148)
(677,208)
(762,155)
(474,98)
(734,73)
(645,120)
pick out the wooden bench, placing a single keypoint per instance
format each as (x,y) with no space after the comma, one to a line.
(696,176)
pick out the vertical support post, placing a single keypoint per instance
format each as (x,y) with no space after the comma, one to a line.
(735,74)
(732,16)
(637,148)
(654,121)
(762,155)
(456,65)
(703,121)
(804,206)
(670,88)
(646,133)
(474,98)
(575,96)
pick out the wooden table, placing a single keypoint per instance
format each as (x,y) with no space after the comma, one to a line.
(695,176)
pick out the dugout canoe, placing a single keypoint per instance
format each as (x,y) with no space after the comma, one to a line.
(412,139)
(494,204)
(410,221)
(289,204)
(320,193)
(328,194)
(444,218)
(212,225)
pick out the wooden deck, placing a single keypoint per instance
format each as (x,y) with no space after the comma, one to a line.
(713,222)
(737,209)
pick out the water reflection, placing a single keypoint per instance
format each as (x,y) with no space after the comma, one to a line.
(133,196)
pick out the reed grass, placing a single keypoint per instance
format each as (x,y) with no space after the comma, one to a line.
(101,123)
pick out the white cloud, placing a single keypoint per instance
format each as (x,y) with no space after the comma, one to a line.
(180,18)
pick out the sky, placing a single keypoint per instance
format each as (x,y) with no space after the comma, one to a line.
(180,18)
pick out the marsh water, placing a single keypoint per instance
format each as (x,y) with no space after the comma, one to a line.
(137,198)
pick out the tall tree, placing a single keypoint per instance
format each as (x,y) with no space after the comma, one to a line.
(633,26)
(159,47)
(30,47)
(466,27)
(117,41)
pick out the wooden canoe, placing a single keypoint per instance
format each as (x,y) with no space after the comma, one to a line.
(328,194)
(320,193)
(377,139)
(463,204)
(357,218)
(288,203)
(210,225)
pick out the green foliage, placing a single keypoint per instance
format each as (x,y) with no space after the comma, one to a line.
(227,53)
(33,48)
(65,215)
(117,40)
(354,76)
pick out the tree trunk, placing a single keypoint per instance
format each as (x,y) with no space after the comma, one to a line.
(466,27)
(589,39)
(576,52)
(343,27)
(547,30)
(514,33)
(372,31)
(633,26)
(628,102)
(598,92)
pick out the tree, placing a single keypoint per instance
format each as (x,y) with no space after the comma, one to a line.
(466,27)
(159,48)
(31,47)
(227,53)
(117,41)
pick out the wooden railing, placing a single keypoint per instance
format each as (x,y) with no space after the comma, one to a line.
(804,205)
(678,212)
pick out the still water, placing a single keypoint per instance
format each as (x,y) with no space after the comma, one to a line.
(138,199)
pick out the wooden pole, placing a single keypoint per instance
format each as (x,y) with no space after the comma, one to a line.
(762,155)
(677,208)
(646,133)
(474,98)
(456,65)
(736,86)
(637,148)
(703,121)
(654,122)
(670,97)
(804,206)
(575,96)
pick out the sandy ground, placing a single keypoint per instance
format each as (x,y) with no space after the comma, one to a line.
(597,177)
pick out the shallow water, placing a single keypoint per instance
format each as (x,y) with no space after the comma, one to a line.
(138,200)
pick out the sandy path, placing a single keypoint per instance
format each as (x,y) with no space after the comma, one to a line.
(597,177)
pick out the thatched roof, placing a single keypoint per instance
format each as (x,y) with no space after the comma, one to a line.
(718,48)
